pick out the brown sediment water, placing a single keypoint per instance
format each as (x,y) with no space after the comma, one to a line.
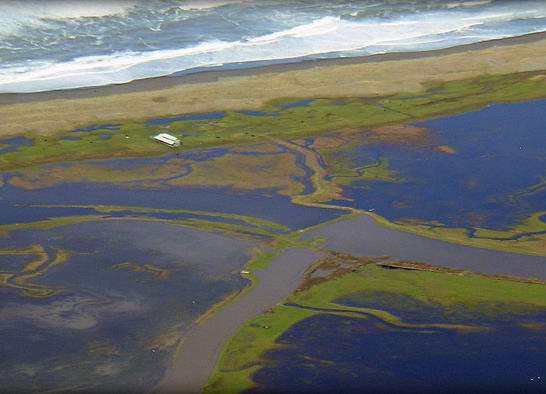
(198,354)
(361,235)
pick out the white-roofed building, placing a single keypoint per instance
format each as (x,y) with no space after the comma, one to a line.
(167,139)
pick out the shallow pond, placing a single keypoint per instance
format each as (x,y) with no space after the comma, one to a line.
(263,204)
(333,353)
(144,182)
(128,290)
(491,175)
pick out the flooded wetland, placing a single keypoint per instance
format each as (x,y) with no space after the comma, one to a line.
(108,263)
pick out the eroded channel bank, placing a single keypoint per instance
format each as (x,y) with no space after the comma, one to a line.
(360,235)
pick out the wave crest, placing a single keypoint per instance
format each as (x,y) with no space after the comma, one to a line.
(17,15)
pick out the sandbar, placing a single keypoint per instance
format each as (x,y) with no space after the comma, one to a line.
(47,113)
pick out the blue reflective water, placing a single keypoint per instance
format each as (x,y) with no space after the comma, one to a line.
(264,204)
(299,103)
(333,353)
(104,126)
(14,142)
(495,178)
(412,310)
(258,113)
(165,120)
(106,136)
(116,305)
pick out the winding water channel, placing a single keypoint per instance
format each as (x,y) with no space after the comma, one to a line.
(199,352)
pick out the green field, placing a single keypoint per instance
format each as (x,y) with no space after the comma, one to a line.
(460,297)
(132,139)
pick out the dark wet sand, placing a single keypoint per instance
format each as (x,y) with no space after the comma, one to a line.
(255,68)
(199,353)
(362,236)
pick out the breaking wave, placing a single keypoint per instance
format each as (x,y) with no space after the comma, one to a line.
(96,43)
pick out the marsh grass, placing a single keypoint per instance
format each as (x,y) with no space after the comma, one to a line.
(488,297)
(319,116)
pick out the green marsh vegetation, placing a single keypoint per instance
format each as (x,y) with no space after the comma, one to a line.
(269,237)
(276,141)
(270,161)
(132,139)
(282,173)
(462,303)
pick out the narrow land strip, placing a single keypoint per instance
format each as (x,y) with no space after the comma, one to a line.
(198,354)
(203,344)
(53,112)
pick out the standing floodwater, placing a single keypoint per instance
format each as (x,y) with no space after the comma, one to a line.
(483,168)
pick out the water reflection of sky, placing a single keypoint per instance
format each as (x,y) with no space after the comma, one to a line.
(500,153)
(336,353)
(265,204)
(14,143)
(111,299)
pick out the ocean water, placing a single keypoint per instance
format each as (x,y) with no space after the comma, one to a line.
(47,45)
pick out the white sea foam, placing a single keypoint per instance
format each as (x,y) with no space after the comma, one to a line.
(468,4)
(305,37)
(17,15)
(207,4)
(318,27)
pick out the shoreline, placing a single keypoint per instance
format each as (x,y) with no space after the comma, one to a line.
(217,74)
(199,352)
(54,112)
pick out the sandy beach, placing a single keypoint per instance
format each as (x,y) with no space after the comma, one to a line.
(46,113)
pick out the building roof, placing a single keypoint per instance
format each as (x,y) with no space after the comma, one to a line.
(167,139)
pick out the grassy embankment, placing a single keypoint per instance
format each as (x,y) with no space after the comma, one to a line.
(478,296)
(265,233)
(318,116)
(270,239)
(483,238)
(328,189)
(321,115)
(343,175)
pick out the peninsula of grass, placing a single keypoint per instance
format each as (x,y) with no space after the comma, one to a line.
(250,220)
(133,139)
(528,237)
(341,174)
(476,296)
